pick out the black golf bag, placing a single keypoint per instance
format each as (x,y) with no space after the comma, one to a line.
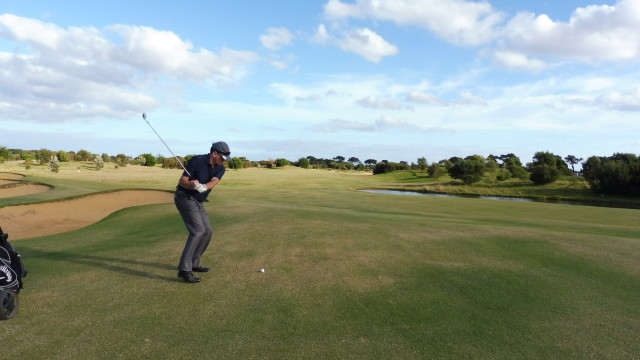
(11,273)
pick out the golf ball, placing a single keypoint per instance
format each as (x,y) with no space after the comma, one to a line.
(261,270)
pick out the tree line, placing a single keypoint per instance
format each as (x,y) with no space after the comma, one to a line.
(618,174)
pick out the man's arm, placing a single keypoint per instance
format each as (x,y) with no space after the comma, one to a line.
(187,184)
(211,184)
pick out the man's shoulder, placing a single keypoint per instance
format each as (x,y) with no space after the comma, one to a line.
(218,171)
(199,159)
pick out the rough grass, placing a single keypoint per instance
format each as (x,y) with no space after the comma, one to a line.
(348,275)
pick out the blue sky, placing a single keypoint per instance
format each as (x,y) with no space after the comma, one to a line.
(373,79)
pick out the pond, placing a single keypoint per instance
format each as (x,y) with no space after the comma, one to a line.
(552,201)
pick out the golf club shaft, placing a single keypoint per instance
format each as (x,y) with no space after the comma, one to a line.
(144,116)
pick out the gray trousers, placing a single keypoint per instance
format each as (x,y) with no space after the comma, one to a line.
(197,221)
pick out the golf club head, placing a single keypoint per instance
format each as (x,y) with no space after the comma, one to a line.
(144,116)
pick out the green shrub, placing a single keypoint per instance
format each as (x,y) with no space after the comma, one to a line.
(236,163)
(503,174)
(98,162)
(63,156)
(542,174)
(469,170)
(171,163)
(149,160)
(382,168)
(435,171)
(303,163)
(5,153)
(618,174)
(514,166)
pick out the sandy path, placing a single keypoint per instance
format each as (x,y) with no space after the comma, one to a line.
(25,221)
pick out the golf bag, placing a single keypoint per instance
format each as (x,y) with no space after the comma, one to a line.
(11,273)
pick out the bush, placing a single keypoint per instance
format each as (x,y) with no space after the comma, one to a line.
(303,163)
(149,160)
(503,174)
(282,162)
(422,163)
(617,175)
(84,155)
(171,163)
(54,165)
(98,162)
(547,168)
(434,170)
(236,163)
(44,156)
(382,168)
(122,160)
(63,156)
(5,153)
(469,170)
(544,174)
(514,166)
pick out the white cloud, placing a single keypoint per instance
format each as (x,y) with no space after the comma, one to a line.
(321,35)
(280,65)
(621,101)
(335,125)
(58,74)
(593,34)
(518,62)
(527,42)
(615,100)
(276,38)
(165,53)
(311,98)
(467,98)
(460,22)
(367,44)
(363,42)
(388,122)
(383,123)
(424,98)
(373,102)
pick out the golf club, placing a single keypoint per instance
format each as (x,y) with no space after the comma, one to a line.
(144,116)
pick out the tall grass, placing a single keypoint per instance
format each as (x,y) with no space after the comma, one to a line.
(347,275)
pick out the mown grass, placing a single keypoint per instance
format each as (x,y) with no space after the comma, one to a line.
(348,275)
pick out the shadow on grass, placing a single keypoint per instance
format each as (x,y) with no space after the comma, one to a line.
(122,266)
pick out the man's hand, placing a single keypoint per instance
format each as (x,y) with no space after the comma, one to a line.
(201,188)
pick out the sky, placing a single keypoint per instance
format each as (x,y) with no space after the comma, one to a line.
(388,80)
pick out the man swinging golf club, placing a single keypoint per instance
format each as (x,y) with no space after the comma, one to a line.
(201,175)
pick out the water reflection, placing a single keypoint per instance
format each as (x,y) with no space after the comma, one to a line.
(552,201)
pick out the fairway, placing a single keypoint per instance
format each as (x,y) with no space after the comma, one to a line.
(348,275)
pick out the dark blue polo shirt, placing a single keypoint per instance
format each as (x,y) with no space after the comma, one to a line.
(201,170)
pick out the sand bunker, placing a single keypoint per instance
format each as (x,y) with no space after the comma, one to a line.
(10,176)
(10,187)
(22,190)
(25,221)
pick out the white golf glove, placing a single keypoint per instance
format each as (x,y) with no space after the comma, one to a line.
(201,188)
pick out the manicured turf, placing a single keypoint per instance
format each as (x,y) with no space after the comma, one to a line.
(347,275)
